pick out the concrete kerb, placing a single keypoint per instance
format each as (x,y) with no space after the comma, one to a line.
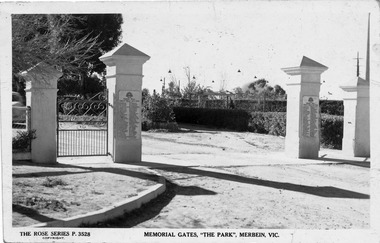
(116,210)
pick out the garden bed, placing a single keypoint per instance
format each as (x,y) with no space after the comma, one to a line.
(46,193)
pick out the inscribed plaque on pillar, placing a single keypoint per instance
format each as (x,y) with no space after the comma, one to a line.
(310,116)
(129,105)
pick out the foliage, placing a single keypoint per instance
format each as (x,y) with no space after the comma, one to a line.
(159,126)
(332,131)
(173,90)
(274,123)
(220,118)
(157,113)
(52,39)
(261,89)
(22,140)
(157,109)
(279,91)
(259,105)
(332,107)
(238,92)
(191,90)
(145,94)
(106,28)
(72,43)
(71,86)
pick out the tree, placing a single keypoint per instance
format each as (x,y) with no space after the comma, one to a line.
(72,43)
(157,109)
(238,92)
(40,38)
(145,94)
(172,91)
(106,28)
(279,91)
(71,86)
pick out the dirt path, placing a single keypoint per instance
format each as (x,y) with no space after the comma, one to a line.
(226,179)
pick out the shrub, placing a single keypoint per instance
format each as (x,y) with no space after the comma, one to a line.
(23,139)
(332,107)
(220,118)
(164,126)
(273,123)
(331,131)
(157,109)
(157,113)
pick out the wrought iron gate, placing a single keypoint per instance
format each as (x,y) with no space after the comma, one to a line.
(82,126)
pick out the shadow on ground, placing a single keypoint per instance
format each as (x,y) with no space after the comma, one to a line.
(31,213)
(153,208)
(365,162)
(323,191)
(119,171)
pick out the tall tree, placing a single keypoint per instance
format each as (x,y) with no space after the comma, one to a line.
(172,91)
(106,28)
(39,37)
(261,89)
(73,43)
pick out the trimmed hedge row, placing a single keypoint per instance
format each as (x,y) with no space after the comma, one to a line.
(274,123)
(220,118)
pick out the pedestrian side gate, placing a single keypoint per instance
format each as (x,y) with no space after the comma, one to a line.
(82,126)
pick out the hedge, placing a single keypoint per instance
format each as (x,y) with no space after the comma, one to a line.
(274,123)
(220,118)
(332,107)
(332,131)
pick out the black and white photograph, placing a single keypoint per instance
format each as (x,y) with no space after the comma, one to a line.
(190,121)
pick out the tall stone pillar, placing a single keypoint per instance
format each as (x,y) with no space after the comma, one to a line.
(356,130)
(303,117)
(124,83)
(41,96)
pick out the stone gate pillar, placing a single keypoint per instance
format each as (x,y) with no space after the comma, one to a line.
(302,116)
(41,96)
(356,131)
(124,83)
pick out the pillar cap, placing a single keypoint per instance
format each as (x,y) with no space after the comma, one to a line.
(358,83)
(307,66)
(42,75)
(122,52)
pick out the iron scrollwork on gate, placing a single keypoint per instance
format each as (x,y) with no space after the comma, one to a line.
(82,125)
(83,113)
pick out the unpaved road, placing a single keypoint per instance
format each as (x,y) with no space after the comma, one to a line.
(235,180)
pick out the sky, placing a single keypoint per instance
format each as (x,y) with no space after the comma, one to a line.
(216,39)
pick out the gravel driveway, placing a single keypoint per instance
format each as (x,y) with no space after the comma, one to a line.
(224,179)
